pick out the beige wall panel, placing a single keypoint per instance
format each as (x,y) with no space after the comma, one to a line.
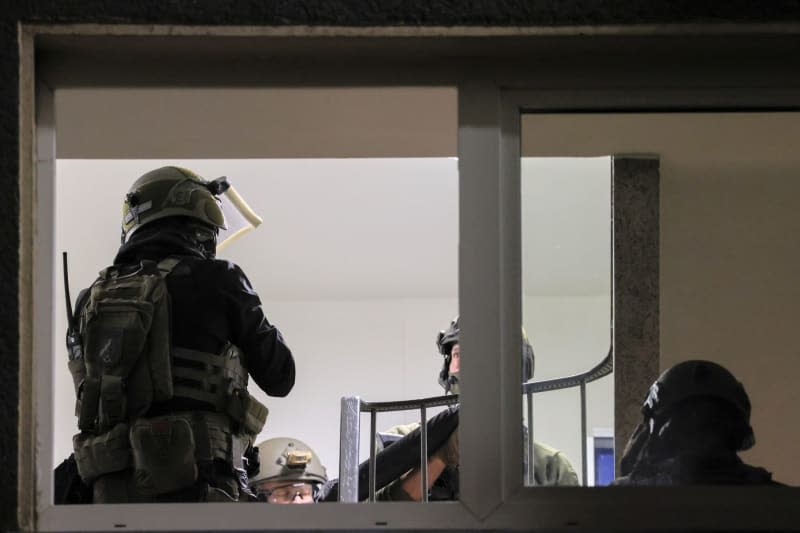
(239,123)
(730,255)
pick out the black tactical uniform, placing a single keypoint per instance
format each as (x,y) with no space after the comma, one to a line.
(696,418)
(213,303)
(161,351)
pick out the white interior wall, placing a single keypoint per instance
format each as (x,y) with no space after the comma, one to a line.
(566,278)
(378,349)
(570,336)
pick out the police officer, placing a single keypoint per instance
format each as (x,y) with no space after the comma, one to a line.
(550,466)
(696,417)
(161,379)
(290,472)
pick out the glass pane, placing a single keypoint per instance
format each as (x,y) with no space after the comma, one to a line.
(566,304)
(722,277)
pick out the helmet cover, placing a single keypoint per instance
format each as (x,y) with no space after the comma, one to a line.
(699,379)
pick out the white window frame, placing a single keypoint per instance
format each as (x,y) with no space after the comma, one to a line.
(495,314)
(493,496)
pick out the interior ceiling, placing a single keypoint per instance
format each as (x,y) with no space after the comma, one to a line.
(358,187)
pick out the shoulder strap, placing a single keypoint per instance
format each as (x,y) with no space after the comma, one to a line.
(80,302)
(165,266)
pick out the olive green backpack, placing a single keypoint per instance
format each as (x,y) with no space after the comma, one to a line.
(124,364)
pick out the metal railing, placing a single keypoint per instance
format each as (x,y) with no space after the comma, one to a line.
(350,434)
(602,369)
(353,406)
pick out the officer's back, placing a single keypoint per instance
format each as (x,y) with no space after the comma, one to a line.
(166,339)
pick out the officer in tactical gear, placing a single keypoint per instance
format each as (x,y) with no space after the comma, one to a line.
(696,417)
(161,347)
(551,468)
(290,472)
(448,347)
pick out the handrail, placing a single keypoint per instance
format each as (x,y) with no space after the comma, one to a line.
(407,405)
(602,369)
(353,406)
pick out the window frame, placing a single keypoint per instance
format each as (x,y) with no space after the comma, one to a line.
(490,103)
(724,508)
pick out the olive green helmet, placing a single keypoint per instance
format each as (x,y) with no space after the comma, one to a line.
(172,191)
(288,459)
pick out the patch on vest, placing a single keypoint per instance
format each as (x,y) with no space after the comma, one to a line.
(111,350)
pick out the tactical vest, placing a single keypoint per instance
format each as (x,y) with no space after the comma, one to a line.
(126,363)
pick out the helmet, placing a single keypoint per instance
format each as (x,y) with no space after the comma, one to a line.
(172,191)
(700,379)
(445,340)
(288,459)
(527,357)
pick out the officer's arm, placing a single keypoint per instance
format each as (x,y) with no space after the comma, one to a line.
(267,357)
(565,473)
(412,481)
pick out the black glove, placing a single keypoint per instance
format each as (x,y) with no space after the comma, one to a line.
(252,464)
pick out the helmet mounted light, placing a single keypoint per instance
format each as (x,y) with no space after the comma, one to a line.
(219,185)
(298,458)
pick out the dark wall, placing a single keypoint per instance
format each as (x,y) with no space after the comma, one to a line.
(283,12)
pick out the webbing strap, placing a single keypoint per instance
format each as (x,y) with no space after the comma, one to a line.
(198,375)
(208,359)
(165,266)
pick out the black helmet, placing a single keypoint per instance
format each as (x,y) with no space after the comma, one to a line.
(445,340)
(528,358)
(699,379)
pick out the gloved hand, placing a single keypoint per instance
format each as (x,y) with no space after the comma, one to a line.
(448,452)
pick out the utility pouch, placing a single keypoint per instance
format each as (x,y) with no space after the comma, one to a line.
(116,335)
(90,395)
(247,411)
(163,454)
(112,400)
(96,455)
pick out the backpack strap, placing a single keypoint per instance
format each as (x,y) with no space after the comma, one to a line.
(167,265)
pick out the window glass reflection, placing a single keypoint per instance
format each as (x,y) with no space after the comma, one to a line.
(566,302)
